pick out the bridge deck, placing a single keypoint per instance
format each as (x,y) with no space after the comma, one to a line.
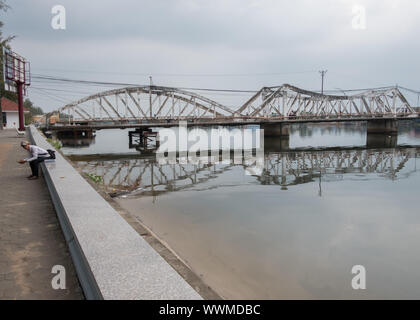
(122,124)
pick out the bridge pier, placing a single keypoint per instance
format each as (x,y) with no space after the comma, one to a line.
(276,144)
(378,140)
(140,138)
(276,136)
(275,129)
(382,126)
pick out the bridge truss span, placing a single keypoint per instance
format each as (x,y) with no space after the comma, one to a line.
(144,102)
(159,104)
(288,101)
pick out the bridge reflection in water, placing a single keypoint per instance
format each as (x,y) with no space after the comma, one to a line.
(143,175)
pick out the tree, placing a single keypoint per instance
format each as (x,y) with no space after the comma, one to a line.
(4,42)
(33,110)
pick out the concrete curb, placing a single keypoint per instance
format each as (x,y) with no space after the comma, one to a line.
(111,259)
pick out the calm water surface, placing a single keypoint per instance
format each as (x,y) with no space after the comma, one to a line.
(293,231)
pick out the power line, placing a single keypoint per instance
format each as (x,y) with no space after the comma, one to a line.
(51,78)
(54,97)
(46,79)
(62,90)
(411,90)
(184,74)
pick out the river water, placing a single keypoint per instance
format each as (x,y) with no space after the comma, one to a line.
(319,205)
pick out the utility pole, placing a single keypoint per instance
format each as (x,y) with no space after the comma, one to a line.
(150,96)
(322,72)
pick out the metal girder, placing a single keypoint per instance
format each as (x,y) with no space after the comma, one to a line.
(136,104)
(193,102)
(251,100)
(127,106)
(286,101)
(112,107)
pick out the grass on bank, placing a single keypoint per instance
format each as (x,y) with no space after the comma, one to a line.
(55,143)
(93,177)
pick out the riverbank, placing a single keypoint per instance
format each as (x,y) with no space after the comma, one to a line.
(295,231)
(164,250)
(31,240)
(112,260)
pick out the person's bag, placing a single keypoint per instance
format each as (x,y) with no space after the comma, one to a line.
(52,153)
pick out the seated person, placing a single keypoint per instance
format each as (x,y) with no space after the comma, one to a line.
(38,156)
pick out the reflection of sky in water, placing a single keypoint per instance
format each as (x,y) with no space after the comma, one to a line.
(409,134)
(317,135)
(106,141)
(291,235)
(270,234)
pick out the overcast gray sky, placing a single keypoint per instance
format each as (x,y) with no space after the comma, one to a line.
(229,44)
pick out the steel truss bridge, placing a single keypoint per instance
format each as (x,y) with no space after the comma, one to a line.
(145,176)
(159,106)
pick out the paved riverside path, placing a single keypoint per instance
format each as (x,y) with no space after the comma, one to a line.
(113,259)
(31,240)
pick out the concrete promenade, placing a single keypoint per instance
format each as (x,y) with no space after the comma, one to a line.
(113,261)
(31,240)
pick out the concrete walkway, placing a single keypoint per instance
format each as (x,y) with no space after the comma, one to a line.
(31,240)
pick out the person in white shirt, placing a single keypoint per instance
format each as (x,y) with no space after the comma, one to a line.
(38,155)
